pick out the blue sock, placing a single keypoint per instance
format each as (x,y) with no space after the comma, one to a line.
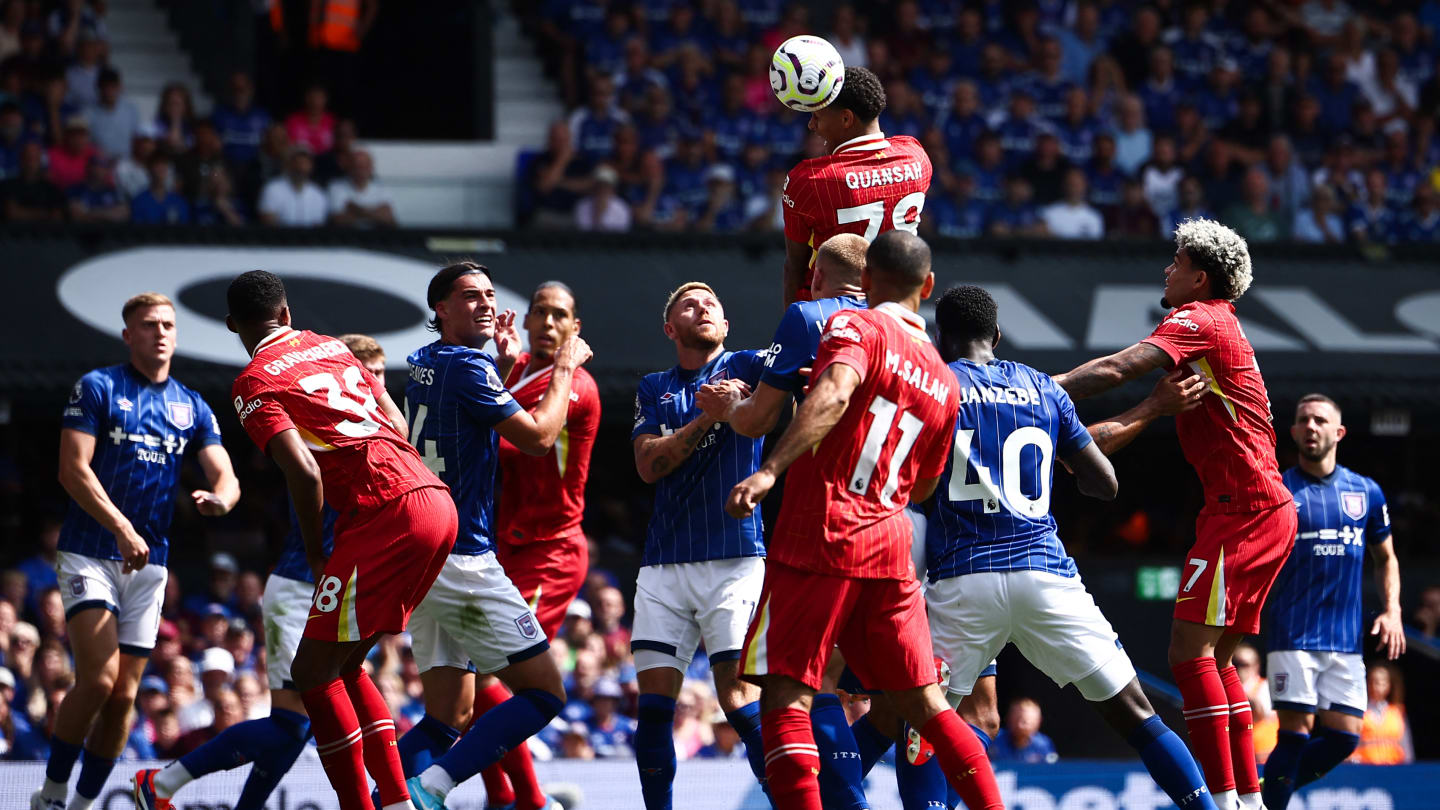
(871,744)
(425,742)
(981,736)
(62,760)
(94,770)
(746,722)
(922,787)
(841,781)
(1171,765)
(235,746)
(655,750)
(291,731)
(497,731)
(1327,748)
(1282,769)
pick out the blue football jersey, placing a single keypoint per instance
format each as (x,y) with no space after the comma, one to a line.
(141,431)
(453,401)
(992,507)
(1315,604)
(689,523)
(292,563)
(797,338)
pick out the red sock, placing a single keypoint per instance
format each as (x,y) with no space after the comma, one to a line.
(521,769)
(377,727)
(499,791)
(963,759)
(1242,734)
(1207,716)
(337,741)
(792,762)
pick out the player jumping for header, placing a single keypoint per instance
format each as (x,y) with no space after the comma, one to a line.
(1247,526)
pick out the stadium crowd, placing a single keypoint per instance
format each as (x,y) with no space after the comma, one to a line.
(1311,121)
(74,147)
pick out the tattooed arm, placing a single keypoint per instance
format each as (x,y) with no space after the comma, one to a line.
(1170,396)
(1104,373)
(658,456)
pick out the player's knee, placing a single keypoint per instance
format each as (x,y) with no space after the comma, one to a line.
(100,680)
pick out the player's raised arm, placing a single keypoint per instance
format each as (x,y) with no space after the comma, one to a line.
(1103,373)
(77,448)
(797,266)
(1173,394)
(302,478)
(534,432)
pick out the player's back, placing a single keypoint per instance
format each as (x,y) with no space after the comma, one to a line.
(1229,439)
(866,186)
(454,399)
(992,507)
(1316,601)
(312,383)
(851,490)
(797,339)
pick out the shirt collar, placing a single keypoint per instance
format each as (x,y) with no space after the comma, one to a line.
(273,337)
(904,316)
(872,142)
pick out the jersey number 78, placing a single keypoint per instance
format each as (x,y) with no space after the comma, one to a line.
(873,214)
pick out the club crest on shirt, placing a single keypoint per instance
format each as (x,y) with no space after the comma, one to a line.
(125,405)
(180,414)
(77,585)
(527,626)
(1353,504)
(1281,681)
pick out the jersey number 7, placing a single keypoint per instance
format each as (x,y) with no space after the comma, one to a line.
(873,214)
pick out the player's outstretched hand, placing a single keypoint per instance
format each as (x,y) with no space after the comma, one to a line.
(133,549)
(716,399)
(748,494)
(1391,632)
(507,337)
(208,503)
(573,353)
(1178,392)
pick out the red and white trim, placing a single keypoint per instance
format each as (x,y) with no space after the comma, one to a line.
(791,749)
(908,319)
(873,142)
(274,337)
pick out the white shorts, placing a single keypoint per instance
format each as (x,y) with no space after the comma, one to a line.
(680,604)
(286,605)
(135,598)
(1053,621)
(474,614)
(1305,681)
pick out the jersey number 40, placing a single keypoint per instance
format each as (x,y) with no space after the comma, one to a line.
(984,488)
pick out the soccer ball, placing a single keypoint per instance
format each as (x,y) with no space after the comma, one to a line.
(806,73)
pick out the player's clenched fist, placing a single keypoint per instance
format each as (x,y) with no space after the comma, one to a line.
(749,493)
(716,399)
(573,353)
(134,550)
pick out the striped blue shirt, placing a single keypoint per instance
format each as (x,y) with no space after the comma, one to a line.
(797,339)
(689,523)
(1316,602)
(292,563)
(453,401)
(992,507)
(141,431)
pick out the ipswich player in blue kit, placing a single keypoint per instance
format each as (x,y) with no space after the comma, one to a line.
(473,615)
(273,743)
(123,439)
(997,570)
(1314,668)
(702,570)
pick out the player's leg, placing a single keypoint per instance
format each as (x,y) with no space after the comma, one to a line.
(1165,756)
(724,594)
(1241,724)
(445,676)
(1334,739)
(317,670)
(1314,742)
(842,774)
(1282,767)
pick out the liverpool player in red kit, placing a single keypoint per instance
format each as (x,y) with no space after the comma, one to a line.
(1246,529)
(868,184)
(329,425)
(873,434)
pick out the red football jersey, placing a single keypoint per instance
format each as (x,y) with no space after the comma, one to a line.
(867,185)
(543,497)
(312,383)
(842,510)
(1229,439)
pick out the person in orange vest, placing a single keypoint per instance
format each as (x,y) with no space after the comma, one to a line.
(337,29)
(1384,732)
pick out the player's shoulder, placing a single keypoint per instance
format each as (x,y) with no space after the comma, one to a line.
(186,391)
(583,383)
(103,378)
(1356,479)
(908,145)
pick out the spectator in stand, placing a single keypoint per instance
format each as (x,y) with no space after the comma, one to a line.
(358,199)
(313,125)
(1195,48)
(635,81)
(1323,20)
(74,20)
(933,83)
(29,196)
(1072,217)
(1132,50)
(175,119)
(612,735)
(1046,171)
(729,38)
(220,586)
(204,159)
(335,164)
(605,49)
(255,699)
(12,136)
(592,128)
(691,707)
(132,173)
(558,179)
(1321,222)
(1309,140)
(602,209)
(39,569)
(1218,100)
(240,123)
(962,124)
(82,78)
(727,744)
(1161,92)
(1401,177)
(159,204)
(845,36)
(1191,206)
(167,735)
(1337,95)
(12,18)
(1021,740)
(1133,141)
(51,615)
(1427,612)
(723,211)
(292,199)
(1077,129)
(179,674)
(227,712)
(958,216)
(1423,223)
(240,644)
(217,675)
(1251,50)
(1106,181)
(1384,731)
(1289,182)
(18,739)
(1015,215)
(575,743)
(250,588)
(1371,219)
(1132,218)
(72,155)
(1248,135)
(1019,128)
(97,199)
(152,700)
(114,119)
(1161,178)
(1255,216)
(1081,45)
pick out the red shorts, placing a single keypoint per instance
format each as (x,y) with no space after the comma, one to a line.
(879,624)
(1229,570)
(384,562)
(548,573)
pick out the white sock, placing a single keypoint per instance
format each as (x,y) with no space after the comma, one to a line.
(171,778)
(55,790)
(78,802)
(1227,800)
(1251,801)
(437,780)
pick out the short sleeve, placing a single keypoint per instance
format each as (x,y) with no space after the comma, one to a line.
(1377,523)
(847,339)
(260,413)
(87,410)
(1183,335)
(270,199)
(584,415)
(647,418)
(1071,437)
(795,201)
(486,399)
(789,351)
(207,427)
